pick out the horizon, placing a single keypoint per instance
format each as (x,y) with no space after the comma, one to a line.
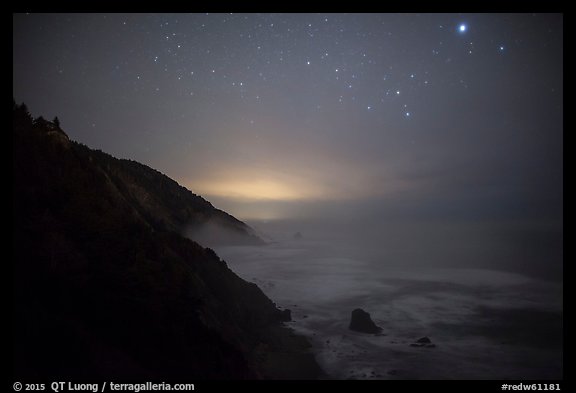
(407,165)
(289,111)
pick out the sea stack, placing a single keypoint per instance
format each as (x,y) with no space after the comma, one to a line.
(361,322)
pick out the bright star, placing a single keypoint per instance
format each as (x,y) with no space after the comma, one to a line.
(462,28)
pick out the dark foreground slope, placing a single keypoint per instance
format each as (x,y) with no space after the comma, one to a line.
(102,290)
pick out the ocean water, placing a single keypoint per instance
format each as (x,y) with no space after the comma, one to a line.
(484,323)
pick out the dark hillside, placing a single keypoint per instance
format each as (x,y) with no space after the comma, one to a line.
(104,287)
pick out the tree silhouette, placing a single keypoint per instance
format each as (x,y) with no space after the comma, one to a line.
(56,121)
(24,109)
(22,118)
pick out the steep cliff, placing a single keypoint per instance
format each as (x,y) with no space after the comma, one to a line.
(106,286)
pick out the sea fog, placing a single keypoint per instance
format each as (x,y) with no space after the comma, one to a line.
(488,296)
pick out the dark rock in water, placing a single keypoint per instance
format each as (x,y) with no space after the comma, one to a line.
(361,322)
(297,235)
(286,315)
(423,342)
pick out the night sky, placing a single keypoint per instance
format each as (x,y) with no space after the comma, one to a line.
(277,115)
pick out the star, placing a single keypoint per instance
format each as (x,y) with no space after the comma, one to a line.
(462,28)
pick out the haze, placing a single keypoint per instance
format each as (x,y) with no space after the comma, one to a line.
(416,141)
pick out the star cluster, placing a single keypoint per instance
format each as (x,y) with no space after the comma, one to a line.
(360,91)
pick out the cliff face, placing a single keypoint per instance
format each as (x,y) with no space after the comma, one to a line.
(167,206)
(104,286)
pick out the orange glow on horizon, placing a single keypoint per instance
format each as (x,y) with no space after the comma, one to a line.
(254,189)
(246,185)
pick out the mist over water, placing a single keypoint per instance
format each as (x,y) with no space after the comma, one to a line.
(531,248)
(488,294)
(420,157)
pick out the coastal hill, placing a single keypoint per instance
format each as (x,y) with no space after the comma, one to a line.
(106,286)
